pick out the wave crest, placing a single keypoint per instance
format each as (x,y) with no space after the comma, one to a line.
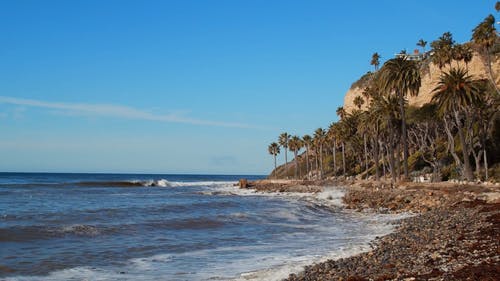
(127,183)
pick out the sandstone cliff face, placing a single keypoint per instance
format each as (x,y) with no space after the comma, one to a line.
(476,67)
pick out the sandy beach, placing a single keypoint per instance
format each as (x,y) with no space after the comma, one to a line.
(454,234)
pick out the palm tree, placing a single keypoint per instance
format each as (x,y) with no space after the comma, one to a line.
(422,43)
(462,52)
(332,135)
(295,144)
(497,6)
(467,55)
(364,125)
(487,110)
(374,130)
(485,35)
(375,60)
(457,53)
(358,102)
(443,50)
(307,141)
(387,109)
(340,112)
(274,149)
(454,94)
(402,77)
(343,134)
(283,141)
(319,139)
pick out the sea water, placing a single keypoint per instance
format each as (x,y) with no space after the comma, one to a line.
(169,227)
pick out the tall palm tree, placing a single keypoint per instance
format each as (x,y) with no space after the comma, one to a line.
(319,138)
(295,144)
(422,43)
(274,149)
(374,129)
(402,77)
(487,108)
(457,53)
(364,125)
(497,6)
(387,109)
(342,113)
(443,50)
(343,134)
(485,35)
(307,141)
(467,55)
(375,60)
(283,141)
(332,135)
(455,93)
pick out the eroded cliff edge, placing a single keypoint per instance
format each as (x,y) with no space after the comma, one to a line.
(430,76)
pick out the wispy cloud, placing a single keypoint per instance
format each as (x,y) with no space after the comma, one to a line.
(116,111)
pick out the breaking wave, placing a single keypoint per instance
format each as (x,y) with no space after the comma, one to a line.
(129,183)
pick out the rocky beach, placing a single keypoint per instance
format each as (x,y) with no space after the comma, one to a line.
(454,234)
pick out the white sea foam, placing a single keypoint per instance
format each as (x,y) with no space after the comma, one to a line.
(203,183)
(253,262)
(260,265)
(166,183)
(330,196)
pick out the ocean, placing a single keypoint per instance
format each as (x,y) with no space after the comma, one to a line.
(169,227)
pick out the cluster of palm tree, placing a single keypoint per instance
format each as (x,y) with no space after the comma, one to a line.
(314,148)
(385,137)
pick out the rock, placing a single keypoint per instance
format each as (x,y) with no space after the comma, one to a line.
(243,183)
(491,197)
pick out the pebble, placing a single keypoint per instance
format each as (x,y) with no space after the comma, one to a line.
(449,240)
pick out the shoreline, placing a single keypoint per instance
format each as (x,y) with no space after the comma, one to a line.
(455,234)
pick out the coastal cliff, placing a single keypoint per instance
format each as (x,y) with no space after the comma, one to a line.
(430,76)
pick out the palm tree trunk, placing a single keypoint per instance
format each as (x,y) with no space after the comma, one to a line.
(376,151)
(390,152)
(366,156)
(321,161)
(485,162)
(300,170)
(286,163)
(343,158)
(398,160)
(477,160)
(316,160)
(403,130)
(296,163)
(484,136)
(465,150)
(392,163)
(334,157)
(384,158)
(307,161)
(275,167)
(485,158)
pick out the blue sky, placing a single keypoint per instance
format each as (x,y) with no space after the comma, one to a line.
(190,86)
